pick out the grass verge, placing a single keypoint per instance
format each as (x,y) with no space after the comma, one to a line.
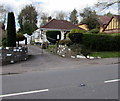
(106,54)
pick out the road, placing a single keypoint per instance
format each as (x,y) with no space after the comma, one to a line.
(93,82)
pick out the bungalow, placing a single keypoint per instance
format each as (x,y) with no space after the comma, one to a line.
(59,25)
(109,24)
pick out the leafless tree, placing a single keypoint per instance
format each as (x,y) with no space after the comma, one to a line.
(107,3)
(60,15)
(3,12)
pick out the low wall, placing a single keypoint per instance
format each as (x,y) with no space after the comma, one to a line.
(13,54)
(64,51)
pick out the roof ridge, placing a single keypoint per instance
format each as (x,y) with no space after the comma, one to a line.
(48,22)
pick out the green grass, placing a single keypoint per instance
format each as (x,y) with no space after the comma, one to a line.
(105,54)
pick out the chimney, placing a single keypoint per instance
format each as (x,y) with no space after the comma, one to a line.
(49,18)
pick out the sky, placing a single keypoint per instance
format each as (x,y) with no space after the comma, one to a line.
(51,6)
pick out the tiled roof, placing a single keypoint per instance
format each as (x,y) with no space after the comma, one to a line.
(60,24)
(117,17)
(103,20)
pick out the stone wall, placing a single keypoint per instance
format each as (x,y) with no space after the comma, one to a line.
(12,55)
(64,51)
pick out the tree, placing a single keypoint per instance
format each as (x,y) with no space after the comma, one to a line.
(44,18)
(3,12)
(28,20)
(11,30)
(61,15)
(109,14)
(19,37)
(89,18)
(73,17)
(107,3)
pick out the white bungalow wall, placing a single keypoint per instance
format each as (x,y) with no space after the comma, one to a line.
(45,38)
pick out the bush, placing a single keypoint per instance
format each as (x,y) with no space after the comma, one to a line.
(76,37)
(65,42)
(4,42)
(102,42)
(52,36)
(77,31)
(94,31)
(85,51)
(76,48)
(20,37)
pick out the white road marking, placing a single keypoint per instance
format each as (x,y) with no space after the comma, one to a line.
(109,81)
(23,93)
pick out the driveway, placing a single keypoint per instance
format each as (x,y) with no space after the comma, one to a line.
(39,61)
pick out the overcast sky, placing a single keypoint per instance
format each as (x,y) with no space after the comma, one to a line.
(50,6)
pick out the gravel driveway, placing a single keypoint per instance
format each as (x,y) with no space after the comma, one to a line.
(46,61)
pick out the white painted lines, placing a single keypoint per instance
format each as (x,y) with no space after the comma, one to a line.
(110,81)
(23,93)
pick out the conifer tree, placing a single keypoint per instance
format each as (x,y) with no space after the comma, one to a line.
(11,30)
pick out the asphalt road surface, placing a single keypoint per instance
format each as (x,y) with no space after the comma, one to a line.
(92,82)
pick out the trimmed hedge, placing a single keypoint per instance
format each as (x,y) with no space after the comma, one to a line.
(102,42)
(65,42)
(76,37)
(52,36)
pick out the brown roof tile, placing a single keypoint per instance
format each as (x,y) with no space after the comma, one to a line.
(103,20)
(117,17)
(60,24)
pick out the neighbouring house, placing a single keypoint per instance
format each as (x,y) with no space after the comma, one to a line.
(109,24)
(59,25)
(83,26)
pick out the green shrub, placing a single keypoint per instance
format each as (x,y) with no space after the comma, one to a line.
(76,48)
(77,31)
(76,37)
(52,36)
(85,51)
(94,31)
(20,37)
(4,42)
(67,36)
(65,42)
(102,42)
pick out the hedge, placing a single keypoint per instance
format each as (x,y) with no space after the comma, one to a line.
(102,42)
(76,37)
(52,36)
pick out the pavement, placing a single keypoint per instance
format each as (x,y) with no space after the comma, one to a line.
(43,61)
